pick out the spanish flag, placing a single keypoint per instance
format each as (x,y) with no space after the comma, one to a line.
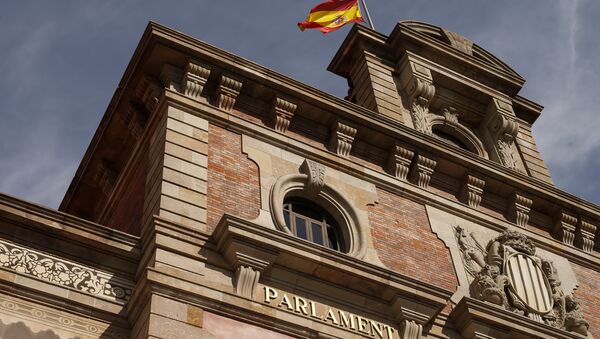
(331,15)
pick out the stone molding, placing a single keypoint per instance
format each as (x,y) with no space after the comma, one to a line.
(586,233)
(194,78)
(59,320)
(472,190)
(564,227)
(42,266)
(131,118)
(354,232)
(342,137)
(448,122)
(227,92)
(519,208)
(399,161)
(423,168)
(282,112)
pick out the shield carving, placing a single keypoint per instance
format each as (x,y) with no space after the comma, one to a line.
(528,282)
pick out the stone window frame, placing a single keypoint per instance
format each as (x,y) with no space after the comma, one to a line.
(351,230)
(460,132)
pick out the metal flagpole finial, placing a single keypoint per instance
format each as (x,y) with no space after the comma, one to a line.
(364,4)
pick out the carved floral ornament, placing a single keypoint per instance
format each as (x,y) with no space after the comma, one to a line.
(56,271)
(508,273)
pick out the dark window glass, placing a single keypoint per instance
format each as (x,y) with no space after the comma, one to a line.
(310,222)
(286,216)
(301,228)
(317,234)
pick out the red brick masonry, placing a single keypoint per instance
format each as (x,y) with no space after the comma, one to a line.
(405,243)
(233,181)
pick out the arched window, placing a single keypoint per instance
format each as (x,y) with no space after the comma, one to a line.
(451,139)
(308,221)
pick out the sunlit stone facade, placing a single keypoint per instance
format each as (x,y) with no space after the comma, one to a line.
(220,199)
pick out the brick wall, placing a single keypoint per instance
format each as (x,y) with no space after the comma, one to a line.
(588,296)
(233,182)
(405,243)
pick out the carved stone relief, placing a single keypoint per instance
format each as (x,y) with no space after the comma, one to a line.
(474,253)
(24,319)
(316,176)
(51,269)
(509,274)
(420,92)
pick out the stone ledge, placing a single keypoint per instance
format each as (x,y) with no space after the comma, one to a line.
(408,295)
(478,319)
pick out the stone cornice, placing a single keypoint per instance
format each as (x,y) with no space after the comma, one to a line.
(33,219)
(377,121)
(307,255)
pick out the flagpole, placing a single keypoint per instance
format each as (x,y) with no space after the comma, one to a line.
(367,13)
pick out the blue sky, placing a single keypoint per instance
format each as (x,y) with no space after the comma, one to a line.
(60,62)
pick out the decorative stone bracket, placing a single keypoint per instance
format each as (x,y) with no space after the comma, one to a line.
(417,82)
(342,137)
(282,112)
(227,92)
(247,259)
(501,129)
(564,227)
(472,190)
(519,208)
(194,79)
(399,161)
(586,232)
(422,170)
(412,315)
(316,176)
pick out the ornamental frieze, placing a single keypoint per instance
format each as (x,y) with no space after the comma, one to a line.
(48,268)
(508,273)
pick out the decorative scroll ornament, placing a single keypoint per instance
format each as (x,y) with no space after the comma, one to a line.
(56,271)
(509,274)
(505,130)
(421,92)
(316,176)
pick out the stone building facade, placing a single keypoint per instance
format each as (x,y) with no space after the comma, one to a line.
(220,199)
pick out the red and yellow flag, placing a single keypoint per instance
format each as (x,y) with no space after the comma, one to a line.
(331,15)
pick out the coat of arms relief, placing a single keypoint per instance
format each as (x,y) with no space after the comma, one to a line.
(508,273)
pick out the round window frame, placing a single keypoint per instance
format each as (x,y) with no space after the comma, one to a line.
(352,232)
